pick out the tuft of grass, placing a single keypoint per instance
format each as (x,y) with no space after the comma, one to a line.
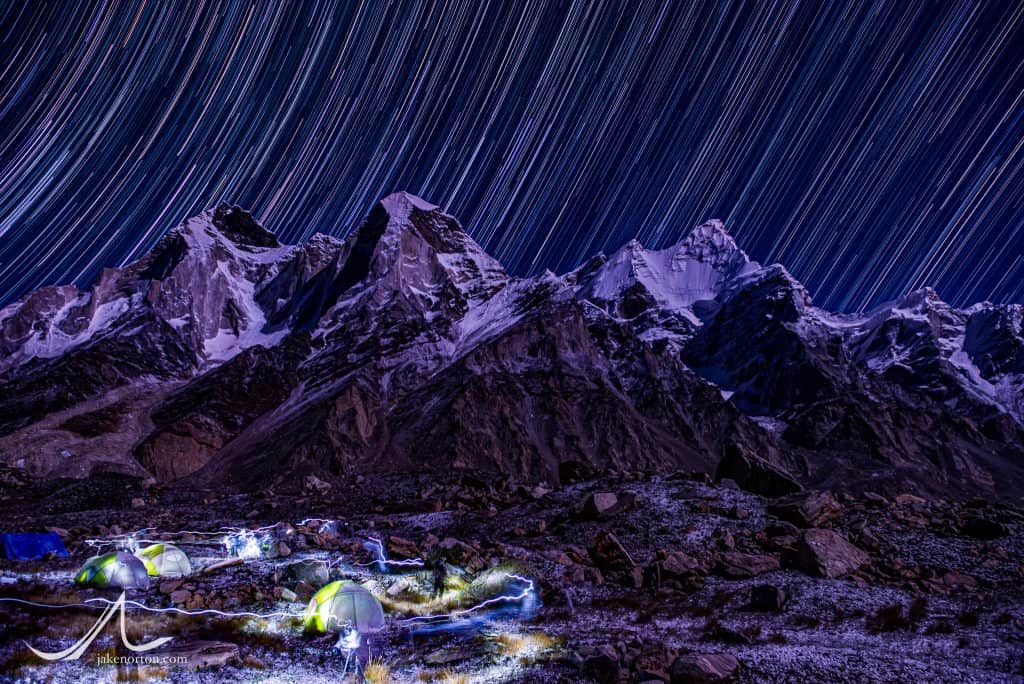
(377,671)
(524,645)
(446,676)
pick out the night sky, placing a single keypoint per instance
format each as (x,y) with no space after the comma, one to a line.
(873,148)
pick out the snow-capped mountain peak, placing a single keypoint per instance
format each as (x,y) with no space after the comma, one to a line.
(695,269)
(408,339)
(409,245)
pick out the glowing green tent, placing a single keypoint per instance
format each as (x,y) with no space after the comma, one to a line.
(165,560)
(344,603)
(117,569)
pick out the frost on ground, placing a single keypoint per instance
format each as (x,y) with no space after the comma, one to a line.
(632,578)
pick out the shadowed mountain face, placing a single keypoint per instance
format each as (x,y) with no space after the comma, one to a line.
(226,359)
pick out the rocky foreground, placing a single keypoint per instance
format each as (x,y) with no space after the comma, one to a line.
(639,579)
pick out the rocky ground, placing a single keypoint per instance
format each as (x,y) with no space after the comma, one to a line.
(670,579)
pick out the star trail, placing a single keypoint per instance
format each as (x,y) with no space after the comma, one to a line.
(872,148)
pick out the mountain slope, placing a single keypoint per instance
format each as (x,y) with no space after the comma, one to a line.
(225,358)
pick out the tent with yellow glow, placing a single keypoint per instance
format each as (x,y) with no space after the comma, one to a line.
(117,569)
(344,603)
(165,560)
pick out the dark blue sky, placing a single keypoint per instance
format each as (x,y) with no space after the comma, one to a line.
(873,148)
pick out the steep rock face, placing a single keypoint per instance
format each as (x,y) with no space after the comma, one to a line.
(226,358)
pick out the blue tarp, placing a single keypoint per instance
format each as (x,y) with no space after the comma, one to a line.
(31,546)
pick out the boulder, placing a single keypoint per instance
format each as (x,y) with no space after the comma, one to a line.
(704,668)
(200,655)
(602,666)
(978,527)
(676,566)
(460,553)
(755,475)
(813,509)
(767,598)
(311,572)
(399,547)
(736,565)
(599,505)
(825,553)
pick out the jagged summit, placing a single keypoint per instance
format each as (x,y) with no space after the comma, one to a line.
(711,243)
(400,204)
(693,270)
(226,356)
(240,227)
(231,223)
(411,245)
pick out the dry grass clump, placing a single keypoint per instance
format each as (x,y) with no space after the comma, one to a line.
(447,676)
(524,645)
(377,671)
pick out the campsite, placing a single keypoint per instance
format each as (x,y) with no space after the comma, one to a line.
(469,581)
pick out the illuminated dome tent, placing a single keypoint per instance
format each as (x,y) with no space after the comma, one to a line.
(344,603)
(165,560)
(118,569)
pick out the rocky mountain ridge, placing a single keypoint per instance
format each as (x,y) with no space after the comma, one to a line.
(224,358)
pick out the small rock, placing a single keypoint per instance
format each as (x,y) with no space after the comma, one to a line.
(704,668)
(876,499)
(314,485)
(283,551)
(735,565)
(636,577)
(138,503)
(181,596)
(557,556)
(539,492)
(826,554)
(254,663)
(289,595)
(909,500)
(956,580)
(170,586)
(304,591)
(813,509)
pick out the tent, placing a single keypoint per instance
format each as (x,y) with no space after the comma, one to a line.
(31,546)
(119,569)
(165,560)
(345,603)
